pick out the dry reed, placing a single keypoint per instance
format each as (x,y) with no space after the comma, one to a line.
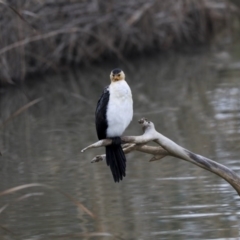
(30,185)
(38,35)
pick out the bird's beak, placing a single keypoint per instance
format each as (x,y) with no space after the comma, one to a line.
(115,78)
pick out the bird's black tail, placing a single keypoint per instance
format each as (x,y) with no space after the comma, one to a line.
(116,159)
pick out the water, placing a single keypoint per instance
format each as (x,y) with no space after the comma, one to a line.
(194,99)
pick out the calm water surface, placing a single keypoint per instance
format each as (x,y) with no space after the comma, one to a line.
(192,99)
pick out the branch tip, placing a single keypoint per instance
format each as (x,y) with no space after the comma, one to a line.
(142,120)
(98,158)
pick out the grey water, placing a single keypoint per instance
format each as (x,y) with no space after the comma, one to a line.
(194,99)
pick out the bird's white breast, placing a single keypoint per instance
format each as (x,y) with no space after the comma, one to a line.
(120,108)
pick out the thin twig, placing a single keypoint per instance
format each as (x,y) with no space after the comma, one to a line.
(20,110)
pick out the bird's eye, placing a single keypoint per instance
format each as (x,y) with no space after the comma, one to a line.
(118,75)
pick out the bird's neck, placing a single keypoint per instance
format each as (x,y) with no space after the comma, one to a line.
(120,89)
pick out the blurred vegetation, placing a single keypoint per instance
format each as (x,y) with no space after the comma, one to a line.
(43,34)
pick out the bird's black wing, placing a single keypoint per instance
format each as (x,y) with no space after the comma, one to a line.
(101,114)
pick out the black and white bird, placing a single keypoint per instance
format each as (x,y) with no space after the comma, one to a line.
(113,114)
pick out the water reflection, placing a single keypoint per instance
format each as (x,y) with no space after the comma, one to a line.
(187,99)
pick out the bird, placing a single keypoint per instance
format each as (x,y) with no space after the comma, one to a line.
(113,114)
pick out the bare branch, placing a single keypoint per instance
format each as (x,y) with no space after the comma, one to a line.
(158,152)
(101,143)
(167,147)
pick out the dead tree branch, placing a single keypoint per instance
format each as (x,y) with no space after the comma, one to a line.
(167,148)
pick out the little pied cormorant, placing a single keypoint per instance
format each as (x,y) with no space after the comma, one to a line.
(113,114)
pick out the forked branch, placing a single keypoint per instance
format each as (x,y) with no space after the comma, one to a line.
(167,148)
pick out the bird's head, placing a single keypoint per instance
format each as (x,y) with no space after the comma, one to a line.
(117,75)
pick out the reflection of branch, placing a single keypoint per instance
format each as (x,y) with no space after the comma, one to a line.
(167,148)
